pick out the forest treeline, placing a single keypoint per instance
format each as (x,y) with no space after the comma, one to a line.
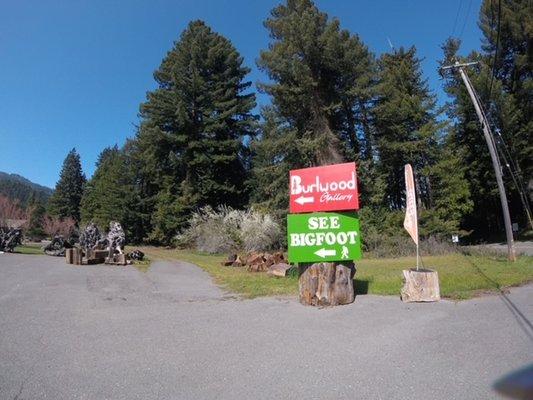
(22,190)
(199,142)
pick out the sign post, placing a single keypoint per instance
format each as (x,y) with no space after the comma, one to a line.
(322,242)
(410,223)
(420,285)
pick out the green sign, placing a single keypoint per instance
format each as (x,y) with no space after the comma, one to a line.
(323,237)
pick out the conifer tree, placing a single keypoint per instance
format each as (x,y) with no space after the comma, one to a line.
(36,211)
(65,201)
(111,194)
(486,217)
(322,80)
(504,82)
(274,155)
(406,129)
(190,142)
(450,192)
(507,28)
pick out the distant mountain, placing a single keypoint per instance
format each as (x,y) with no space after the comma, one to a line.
(19,188)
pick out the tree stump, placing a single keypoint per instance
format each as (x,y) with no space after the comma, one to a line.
(77,257)
(69,255)
(73,256)
(326,284)
(421,285)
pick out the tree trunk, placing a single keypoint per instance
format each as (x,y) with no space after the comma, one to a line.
(326,284)
(421,285)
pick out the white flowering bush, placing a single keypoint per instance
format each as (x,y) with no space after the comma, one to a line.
(225,229)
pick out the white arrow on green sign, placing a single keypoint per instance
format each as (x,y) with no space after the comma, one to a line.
(323,237)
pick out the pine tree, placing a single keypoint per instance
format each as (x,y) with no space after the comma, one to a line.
(111,194)
(485,220)
(190,142)
(274,155)
(512,65)
(406,129)
(36,211)
(507,28)
(450,193)
(322,81)
(65,201)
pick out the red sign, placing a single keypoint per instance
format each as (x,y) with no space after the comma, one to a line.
(329,188)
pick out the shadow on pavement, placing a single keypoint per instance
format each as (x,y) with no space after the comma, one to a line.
(524,323)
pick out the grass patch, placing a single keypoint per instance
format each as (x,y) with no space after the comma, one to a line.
(461,276)
(29,249)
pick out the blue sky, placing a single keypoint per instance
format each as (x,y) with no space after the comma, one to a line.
(73,73)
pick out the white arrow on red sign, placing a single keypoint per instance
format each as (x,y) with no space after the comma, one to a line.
(326,252)
(304,200)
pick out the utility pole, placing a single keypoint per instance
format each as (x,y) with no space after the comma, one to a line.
(493,154)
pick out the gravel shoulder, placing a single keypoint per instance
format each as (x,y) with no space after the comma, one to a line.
(101,332)
(521,247)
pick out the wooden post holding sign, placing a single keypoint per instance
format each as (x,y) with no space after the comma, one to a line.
(420,284)
(324,244)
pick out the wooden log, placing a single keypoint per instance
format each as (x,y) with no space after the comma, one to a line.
(421,285)
(257,267)
(326,284)
(77,256)
(68,255)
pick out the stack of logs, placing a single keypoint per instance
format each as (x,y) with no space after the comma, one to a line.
(273,263)
(94,256)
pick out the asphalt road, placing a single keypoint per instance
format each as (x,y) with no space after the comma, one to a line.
(99,332)
(524,247)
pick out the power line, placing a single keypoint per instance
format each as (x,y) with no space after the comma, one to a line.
(466,19)
(509,162)
(491,37)
(516,175)
(497,45)
(511,165)
(456,17)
